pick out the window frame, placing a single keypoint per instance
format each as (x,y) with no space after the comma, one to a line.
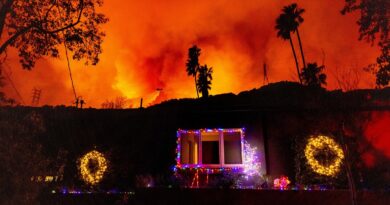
(221,143)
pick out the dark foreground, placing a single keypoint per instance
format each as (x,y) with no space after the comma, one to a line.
(218,196)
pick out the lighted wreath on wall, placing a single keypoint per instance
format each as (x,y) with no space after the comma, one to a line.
(92,167)
(319,150)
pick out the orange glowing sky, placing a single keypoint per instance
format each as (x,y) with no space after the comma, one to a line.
(147,42)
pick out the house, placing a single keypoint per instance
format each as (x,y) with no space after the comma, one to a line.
(209,136)
(205,152)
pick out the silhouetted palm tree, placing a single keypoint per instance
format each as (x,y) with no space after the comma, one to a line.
(312,75)
(204,80)
(193,64)
(284,33)
(294,13)
(287,23)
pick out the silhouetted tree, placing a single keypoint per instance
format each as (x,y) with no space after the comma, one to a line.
(312,75)
(38,28)
(118,103)
(284,33)
(374,22)
(3,98)
(348,78)
(108,105)
(287,23)
(193,64)
(293,13)
(204,80)
(383,64)
(82,102)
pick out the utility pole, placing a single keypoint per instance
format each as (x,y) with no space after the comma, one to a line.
(265,80)
(36,96)
(81,101)
(76,102)
(140,104)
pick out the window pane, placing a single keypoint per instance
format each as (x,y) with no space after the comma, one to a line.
(210,152)
(210,148)
(232,148)
(189,148)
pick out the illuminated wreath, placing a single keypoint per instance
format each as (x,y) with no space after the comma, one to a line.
(318,144)
(93,165)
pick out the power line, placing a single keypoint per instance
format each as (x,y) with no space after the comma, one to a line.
(70,71)
(67,59)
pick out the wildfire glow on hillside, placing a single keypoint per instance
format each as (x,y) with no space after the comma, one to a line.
(147,42)
(377,132)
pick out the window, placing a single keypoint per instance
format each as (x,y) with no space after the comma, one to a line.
(232,148)
(210,148)
(189,151)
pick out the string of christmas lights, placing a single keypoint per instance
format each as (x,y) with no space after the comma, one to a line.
(251,164)
(195,180)
(201,167)
(317,144)
(93,177)
(251,160)
(281,183)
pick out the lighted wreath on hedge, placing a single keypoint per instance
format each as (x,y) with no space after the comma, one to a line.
(324,147)
(92,167)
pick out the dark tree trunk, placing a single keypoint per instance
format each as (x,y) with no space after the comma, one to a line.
(196,86)
(352,187)
(300,46)
(205,93)
(4,9)
(296,60)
